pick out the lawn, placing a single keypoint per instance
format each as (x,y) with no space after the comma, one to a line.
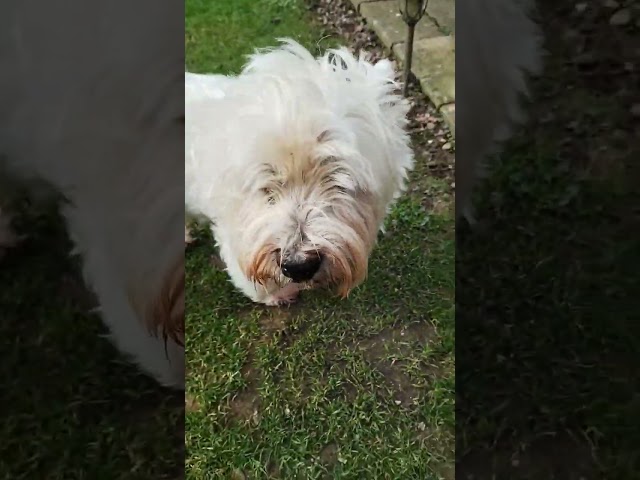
(328,388)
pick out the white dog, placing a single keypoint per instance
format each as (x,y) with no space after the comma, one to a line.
(91,106)
(499,46)
(295,164)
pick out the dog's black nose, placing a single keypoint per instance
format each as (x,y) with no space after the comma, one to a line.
(301,270)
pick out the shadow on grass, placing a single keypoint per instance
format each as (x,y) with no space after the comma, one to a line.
(71,406)
(548,336)
(547,327)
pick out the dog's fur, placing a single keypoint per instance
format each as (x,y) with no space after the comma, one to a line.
(91,105)
(498,47)
(296,156)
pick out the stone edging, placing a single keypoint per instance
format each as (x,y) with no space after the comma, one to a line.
(434,46)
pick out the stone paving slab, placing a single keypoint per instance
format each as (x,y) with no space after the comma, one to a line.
(434,65)
(434,46)
(357,3)
(449,113)
(384,18)
(444,14)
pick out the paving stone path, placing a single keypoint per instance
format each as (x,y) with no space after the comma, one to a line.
(434,46)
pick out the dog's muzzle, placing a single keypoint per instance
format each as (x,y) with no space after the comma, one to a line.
(301,268)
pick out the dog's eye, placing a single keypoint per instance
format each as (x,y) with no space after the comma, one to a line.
(268,193)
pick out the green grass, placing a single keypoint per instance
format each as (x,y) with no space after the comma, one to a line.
(328,388)
(218,34)
(71,407)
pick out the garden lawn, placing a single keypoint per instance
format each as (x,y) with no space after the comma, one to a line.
(327,388)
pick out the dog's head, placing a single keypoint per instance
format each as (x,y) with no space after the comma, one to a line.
(311,216)
(324,155)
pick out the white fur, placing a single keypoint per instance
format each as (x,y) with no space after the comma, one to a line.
(257,163)
(499,46)
(90,95)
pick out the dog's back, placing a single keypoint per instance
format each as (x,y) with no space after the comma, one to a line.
(199,86)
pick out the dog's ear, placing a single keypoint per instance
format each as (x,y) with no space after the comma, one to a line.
(166,312)
(351,265)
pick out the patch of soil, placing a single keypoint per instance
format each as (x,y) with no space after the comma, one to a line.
(273,471)
(381,351)
(283,324)
(397,342)
(191,404)
(274,321)
(244,406)
(329,455)
(405,392)
(350,392)
(237,474)
(543,459)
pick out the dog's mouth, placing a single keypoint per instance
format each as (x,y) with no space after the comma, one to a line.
(270,267)
(308,269)
(322,270)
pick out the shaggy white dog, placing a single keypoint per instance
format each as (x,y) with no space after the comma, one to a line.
(91,107)
(295,164)
(498,46)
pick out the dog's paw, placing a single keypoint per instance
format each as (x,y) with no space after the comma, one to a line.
(285,296)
